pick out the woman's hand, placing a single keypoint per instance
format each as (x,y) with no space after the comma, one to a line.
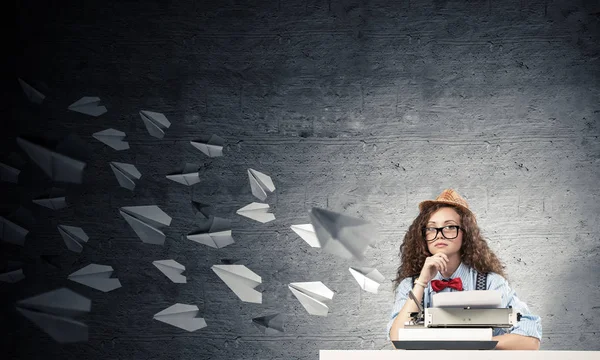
(432,265)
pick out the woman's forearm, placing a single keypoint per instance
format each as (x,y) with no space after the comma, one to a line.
(404,314)
(516,342)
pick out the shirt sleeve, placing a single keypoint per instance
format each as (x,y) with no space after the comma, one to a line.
(530,324)
(400,298)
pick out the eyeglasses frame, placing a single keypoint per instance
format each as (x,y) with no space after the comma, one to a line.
(439,230)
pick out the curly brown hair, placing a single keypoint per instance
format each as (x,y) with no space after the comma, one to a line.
(475,251)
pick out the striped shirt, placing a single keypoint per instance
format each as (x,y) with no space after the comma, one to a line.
(529,325)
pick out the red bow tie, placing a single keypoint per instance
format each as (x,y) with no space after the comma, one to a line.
(438,285)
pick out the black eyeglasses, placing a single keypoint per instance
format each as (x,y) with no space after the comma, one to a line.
(448,232)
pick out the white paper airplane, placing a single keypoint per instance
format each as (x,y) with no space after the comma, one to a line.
(187,176)
(182,316)
(97,277)
(32,94)
(12,273)
(260,184)
(215,233)
(55,200)
(12,233)
(57,166)
(257,211)
(145,221)
(312,295)
(156,123)
(269,324)
(210,145)
(89,105)
(241,281)
(9,173)
(73,236)
(125,174)
(368,279)
(52,312)
(113,138)
(342,235)
(172,269)
(307,233)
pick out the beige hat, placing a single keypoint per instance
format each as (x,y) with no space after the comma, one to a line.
(448,196)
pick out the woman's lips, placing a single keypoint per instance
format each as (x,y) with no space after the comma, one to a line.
(441,245)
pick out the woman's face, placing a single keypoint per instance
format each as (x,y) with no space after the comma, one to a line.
(444,217)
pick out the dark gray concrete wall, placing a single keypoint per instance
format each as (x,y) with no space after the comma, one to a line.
(365,108)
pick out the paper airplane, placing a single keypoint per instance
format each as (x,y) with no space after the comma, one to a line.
(342,235)
(210,145)
(260,184)
(204,210)
(52,260)
(12,233)
(312,296)
(215,233)
(257,211)
(172,269)
(113,138)
(125,174)
(182,316)
(307,233)
(57,166)
(156,123)
(369,279)
(270,324)
(187,176)
(89,105)
(52,312)
(12,273)
(9,173)
(73,236)
(97,277)
(241,281)
(145,220)
(55,200)
(32,94)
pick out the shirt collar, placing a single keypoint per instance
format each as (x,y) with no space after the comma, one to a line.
(461,272)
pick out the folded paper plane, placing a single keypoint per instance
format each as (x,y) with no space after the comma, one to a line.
(211,145)
(113,138)
(126,174)
(32,94)
(269,324)
(172,269)
(342,235)
(89,105)
(55,200)
(145,221)
(186,176)
(241,281)
(368,279)
(156,123)
(307,233)
(53,312)
(205,210)
(182,316)
(257,211)
(12,233)
(97,277)
(312,296)
(215,232)
(12,273)
(260,184)
(73,236)
(9,173)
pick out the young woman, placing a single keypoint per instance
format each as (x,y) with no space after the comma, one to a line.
(444,243)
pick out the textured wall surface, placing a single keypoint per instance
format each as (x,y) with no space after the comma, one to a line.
(365,108)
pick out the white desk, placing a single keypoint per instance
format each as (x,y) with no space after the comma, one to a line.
(456,355)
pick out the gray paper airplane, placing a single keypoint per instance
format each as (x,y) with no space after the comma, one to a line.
(125,174)
(51,312)
(172,269)
(215,233)
(13,272)
(156,123)
(342,235)
(9,173)
(113,138)
(210,145)
(97,277)
(270,324)
(312,296)
(89,105)
(145,220)
(12,233)
(241,281)
(57,166)
(32,94)
(203,209)
(187,176)
(257,211)
(73,236)
(55,200)
(182,316)
(260,184)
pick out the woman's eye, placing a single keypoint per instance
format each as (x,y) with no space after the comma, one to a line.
(429,229)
